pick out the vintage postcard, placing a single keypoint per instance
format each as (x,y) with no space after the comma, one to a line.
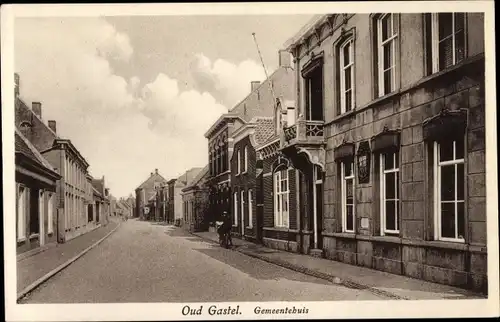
(228,161)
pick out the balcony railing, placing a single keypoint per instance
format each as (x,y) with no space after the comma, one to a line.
(315,128)
(307,131)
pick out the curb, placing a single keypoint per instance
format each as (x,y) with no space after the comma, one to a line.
(331,278)
(59,268)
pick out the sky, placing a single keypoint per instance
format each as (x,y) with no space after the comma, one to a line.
(137,93)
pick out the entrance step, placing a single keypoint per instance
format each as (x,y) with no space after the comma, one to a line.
(316,252)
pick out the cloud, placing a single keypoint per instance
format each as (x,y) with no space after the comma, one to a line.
(229,82)
(123,128)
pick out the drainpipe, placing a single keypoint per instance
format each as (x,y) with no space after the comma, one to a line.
(315,209)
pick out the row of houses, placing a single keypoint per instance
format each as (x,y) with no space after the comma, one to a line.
(56,197)
(158,199)
(366,146)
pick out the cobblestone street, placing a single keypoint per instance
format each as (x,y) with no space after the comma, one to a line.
(147,262)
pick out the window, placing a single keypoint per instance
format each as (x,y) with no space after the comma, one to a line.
(21,213)
(448,39)
(449,191)
(246,159)
(235,217)
(281,196)
(386,53)
(242,208)
(389,195)
(347,191)
(250,209)
(346,76)
(314,94)
(290,116)
(238,160)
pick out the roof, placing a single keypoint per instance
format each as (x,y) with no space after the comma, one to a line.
(187,177)
(98,184)
(24,146)
(264,129)
(196,180)
(155,175)
(96,191)
(220,120)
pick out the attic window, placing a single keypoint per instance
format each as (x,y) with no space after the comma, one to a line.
(25,125)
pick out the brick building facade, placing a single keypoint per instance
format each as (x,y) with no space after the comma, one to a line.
(244,186)
(259,102)
(398,133)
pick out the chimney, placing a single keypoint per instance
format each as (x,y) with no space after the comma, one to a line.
(16,85)
(37,108)
(52,125)
(156,171)
(285,59)
(151,173)
(254,85)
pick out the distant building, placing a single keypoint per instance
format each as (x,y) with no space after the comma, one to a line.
(36,198)
(171,216)
(195,202)
(145,192)
(180,183)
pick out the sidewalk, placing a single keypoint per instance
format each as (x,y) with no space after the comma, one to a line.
(32,268)
(381,283)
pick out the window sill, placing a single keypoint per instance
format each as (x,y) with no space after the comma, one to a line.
(284,229)
(350,235)
(21,240)
(386,239)
(249,227)
(344,115)
(34,236)
(436,244)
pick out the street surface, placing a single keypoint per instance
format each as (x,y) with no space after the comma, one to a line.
(148,262)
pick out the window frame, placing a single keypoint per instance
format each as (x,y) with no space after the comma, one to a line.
(235,209)
(437,212)
(342,69)
(383,173)
(238,160)
(435,41)
(280,196)
(242,207)
(245,159)
(392,39)
(344,204)
(250,208)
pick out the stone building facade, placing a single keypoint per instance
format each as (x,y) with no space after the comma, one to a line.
(398,133)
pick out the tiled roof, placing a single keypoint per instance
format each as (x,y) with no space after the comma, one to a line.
(198,177)
(264,129)
(24,146)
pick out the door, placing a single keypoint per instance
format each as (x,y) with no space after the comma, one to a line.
(317,207)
